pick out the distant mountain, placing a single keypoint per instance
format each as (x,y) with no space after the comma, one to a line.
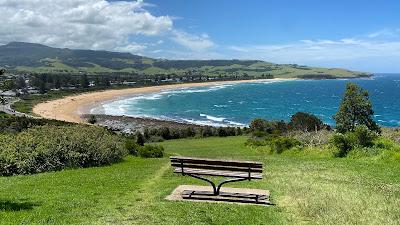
(37,58)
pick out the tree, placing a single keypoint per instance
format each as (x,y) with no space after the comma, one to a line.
(2,71)
(270,127)
(84,81)
(8,85)
(140,139)
(40,82)
(305,122)
(258,124)
(355,109)
(20,83)
(2,100)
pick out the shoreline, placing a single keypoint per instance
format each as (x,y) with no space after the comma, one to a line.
(72,108)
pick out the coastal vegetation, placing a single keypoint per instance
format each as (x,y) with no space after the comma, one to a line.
(104,176)
(49,148)
(305,186)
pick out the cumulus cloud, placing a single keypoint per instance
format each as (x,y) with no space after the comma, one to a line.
(89,24)
(193,42)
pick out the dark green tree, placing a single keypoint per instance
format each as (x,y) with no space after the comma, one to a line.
(84,81)
(140,139)
(355,109)
(20,83)
(2,71)
(8,85)
(305,122)
(2,100)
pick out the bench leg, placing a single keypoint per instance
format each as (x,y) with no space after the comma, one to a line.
(217,189)
(207,180)
(228,181)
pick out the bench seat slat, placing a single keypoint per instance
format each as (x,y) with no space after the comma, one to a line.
(233,163)
(219,173)
(217,167)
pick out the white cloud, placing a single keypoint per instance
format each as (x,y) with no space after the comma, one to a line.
(132,47)
(385,33)
(93,24)
(196,43)
(366,52)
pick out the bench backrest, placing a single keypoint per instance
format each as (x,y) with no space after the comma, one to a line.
(211,166)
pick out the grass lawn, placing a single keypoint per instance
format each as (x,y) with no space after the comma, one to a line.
(312,189)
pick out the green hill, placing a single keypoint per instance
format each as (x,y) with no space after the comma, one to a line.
(20,57)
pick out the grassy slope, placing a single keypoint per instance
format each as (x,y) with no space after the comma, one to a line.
(257,69)
(307,189)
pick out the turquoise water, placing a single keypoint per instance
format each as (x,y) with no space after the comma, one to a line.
(274,100)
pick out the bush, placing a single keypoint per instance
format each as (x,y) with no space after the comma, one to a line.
(15,124)
(360,138)
(312,139)
(151,151)
(92,119)
(392,134)
(131,146)
(140,139)
(282,144)
(364,137)
(342,143)
(50,148)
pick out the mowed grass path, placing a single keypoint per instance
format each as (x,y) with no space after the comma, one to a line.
(306,190)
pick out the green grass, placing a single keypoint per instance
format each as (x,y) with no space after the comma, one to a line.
(307,189)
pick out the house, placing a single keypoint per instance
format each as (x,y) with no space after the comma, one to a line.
(9,94)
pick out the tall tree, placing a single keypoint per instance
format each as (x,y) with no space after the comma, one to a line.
(355,109)
(2,100)
(84,81)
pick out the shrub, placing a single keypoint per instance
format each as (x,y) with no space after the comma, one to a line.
(155,139)
(254,142)
(342,143)
(312,139)
(206,132)
(15,124)
(282,144)
(140,139)
(392,134)
(364,137)
(92,119)
(131,146)
(165,133)
(305,122)
(361,137)
(151,151)
(50,148)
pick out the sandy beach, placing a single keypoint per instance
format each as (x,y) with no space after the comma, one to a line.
(71,108)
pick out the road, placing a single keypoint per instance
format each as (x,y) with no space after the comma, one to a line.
(7,108)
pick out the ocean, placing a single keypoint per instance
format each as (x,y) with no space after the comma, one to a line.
(238,104)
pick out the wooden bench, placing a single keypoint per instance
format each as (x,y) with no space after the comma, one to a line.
(236,170)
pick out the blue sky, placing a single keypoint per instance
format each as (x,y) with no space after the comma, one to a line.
(361,35)
(261,23)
